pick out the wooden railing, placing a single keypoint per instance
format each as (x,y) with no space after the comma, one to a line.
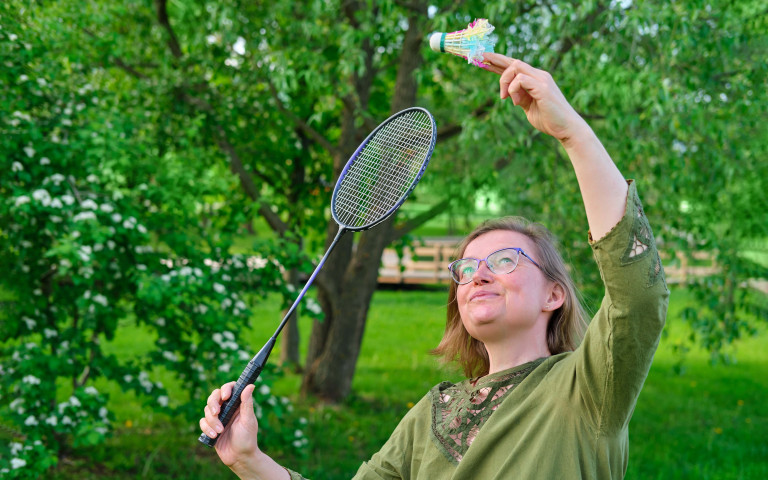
(427,261)
(424,263)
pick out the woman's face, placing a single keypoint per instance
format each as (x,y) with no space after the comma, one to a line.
(494,307)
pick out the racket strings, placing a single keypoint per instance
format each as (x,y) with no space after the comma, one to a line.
(384,171)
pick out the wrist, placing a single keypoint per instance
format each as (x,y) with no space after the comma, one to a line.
(577,136)
(259,466)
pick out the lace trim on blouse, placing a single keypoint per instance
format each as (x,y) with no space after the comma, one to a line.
(460,410)
(641,243)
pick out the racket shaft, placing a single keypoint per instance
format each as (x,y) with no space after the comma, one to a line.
(249,375)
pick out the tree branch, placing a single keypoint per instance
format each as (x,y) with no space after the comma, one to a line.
(454,129)
(119,61)
(311,132)
(237,167)
(162,18)
(569,42)
(409,225)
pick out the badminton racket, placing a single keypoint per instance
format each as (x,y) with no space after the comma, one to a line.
(375,182)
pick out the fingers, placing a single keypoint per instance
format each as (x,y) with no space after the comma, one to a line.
(226,390)
(518,67)
(521,90)
(246,401)
(496,62)
(210,424)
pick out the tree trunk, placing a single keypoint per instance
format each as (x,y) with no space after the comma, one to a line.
(347,287)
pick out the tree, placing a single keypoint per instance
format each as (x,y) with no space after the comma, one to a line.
(107,218)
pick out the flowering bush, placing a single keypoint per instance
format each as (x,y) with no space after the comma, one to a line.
(104,224)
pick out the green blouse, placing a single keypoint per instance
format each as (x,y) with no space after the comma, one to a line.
(561,417)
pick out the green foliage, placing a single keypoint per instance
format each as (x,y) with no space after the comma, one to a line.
(109,214)
(135,151)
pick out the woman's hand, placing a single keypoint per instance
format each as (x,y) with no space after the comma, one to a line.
(536,92)
(237,446)
(238,442)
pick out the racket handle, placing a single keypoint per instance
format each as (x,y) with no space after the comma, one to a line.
(249,375)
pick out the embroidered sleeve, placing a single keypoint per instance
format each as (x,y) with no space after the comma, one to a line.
(616,354)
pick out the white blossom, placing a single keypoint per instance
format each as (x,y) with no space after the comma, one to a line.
(31,324)
(56,203)
(89,204)
(239,46)
(264,390)
(74,401)
(41,195)
(101,300)
(17,167)
(29,151)
(18,463)
(31,379)
(30,421)
(65,420)
(84,216)
(68,199)
(91,391)
(91,178)
(313,306)
(162,400)
(52,420)
(106,208)
(21,200)
(219,288)
(49,332)
(45,161)
(170,356)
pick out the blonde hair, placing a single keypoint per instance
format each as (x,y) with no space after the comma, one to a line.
(566,325)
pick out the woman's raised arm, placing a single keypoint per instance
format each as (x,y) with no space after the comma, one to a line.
(603,188)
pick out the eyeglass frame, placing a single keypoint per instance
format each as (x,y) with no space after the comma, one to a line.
(479,261)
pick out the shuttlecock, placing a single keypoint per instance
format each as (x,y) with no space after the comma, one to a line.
(469,43)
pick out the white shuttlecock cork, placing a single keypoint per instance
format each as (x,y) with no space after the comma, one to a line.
(469,43)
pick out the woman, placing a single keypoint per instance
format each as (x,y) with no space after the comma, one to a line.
(539,409)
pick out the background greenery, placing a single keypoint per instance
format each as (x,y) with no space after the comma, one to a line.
(165,162)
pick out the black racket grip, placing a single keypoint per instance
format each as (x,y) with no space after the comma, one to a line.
(249,375)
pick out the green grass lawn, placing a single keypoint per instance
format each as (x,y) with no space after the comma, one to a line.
(709,423)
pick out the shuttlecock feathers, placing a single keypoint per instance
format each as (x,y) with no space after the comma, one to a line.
(469,43)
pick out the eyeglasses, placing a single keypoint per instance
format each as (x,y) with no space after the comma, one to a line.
(499,262)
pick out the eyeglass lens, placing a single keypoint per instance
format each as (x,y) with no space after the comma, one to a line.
(500,262)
